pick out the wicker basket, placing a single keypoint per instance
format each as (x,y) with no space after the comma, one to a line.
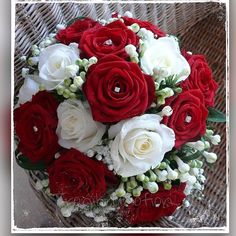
(201,28)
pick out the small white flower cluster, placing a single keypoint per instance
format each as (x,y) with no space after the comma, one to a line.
(131,51)
(66,208)
(40,184)
(214,139)
(202,146)
(102,153)
(76,76)
(112,19)
(98,212)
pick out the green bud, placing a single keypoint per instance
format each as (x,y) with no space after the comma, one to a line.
(72,95)
(193,164)
(146,179)
(128,188)
(41,87)
(79,62)
(160,101)
(145,185)
(85,61)
(178,90)
(124,179)
(73,88)
(120,192)
(60,89)
(82,75)
(67,82)
(93,60)
(134,59)
(78,81)
(32,61)
(199,164)
(140,177)
(167,186)
(135,27)
(152,176)
(66,93)
(162,166)
(133,183)
(36,52)
(137,192)
(34,47)
(165,93)
(209,132)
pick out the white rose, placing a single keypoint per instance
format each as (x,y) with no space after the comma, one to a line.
(53,63)
(76,127)
(27,90)
(163,54)
(140,144)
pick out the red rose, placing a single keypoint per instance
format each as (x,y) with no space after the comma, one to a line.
(200,78)
(109,39)
(188,119)
(150,207)
(78,178)
(73,32)
(143,24)
(35,125)
(117,89)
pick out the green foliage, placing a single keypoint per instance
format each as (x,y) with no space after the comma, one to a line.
(193,156)
(215,115)
(25,163)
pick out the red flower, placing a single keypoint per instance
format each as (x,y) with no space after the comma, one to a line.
(117,89)
(78,178)
(73,32)
(150,207)
(200,78)
(109,39)
(143,24)
(189,116)
(35,125)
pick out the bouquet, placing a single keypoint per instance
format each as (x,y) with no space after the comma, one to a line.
(117,116)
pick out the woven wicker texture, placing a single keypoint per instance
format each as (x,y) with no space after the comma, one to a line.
(201,28)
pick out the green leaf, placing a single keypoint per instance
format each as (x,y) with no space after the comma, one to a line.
(216,115)
(191,157)
(25,163)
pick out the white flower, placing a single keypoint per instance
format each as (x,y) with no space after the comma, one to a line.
(172,174)
(128,14)
(71,70)
(211,157)
(183,167)
(152,187)
(199,145)
(76,127)
(161,174)
(166,111)
(27,90)
(60,26)
(215,139)
(140,144)
(131,50)
(164,52)
(53,63)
